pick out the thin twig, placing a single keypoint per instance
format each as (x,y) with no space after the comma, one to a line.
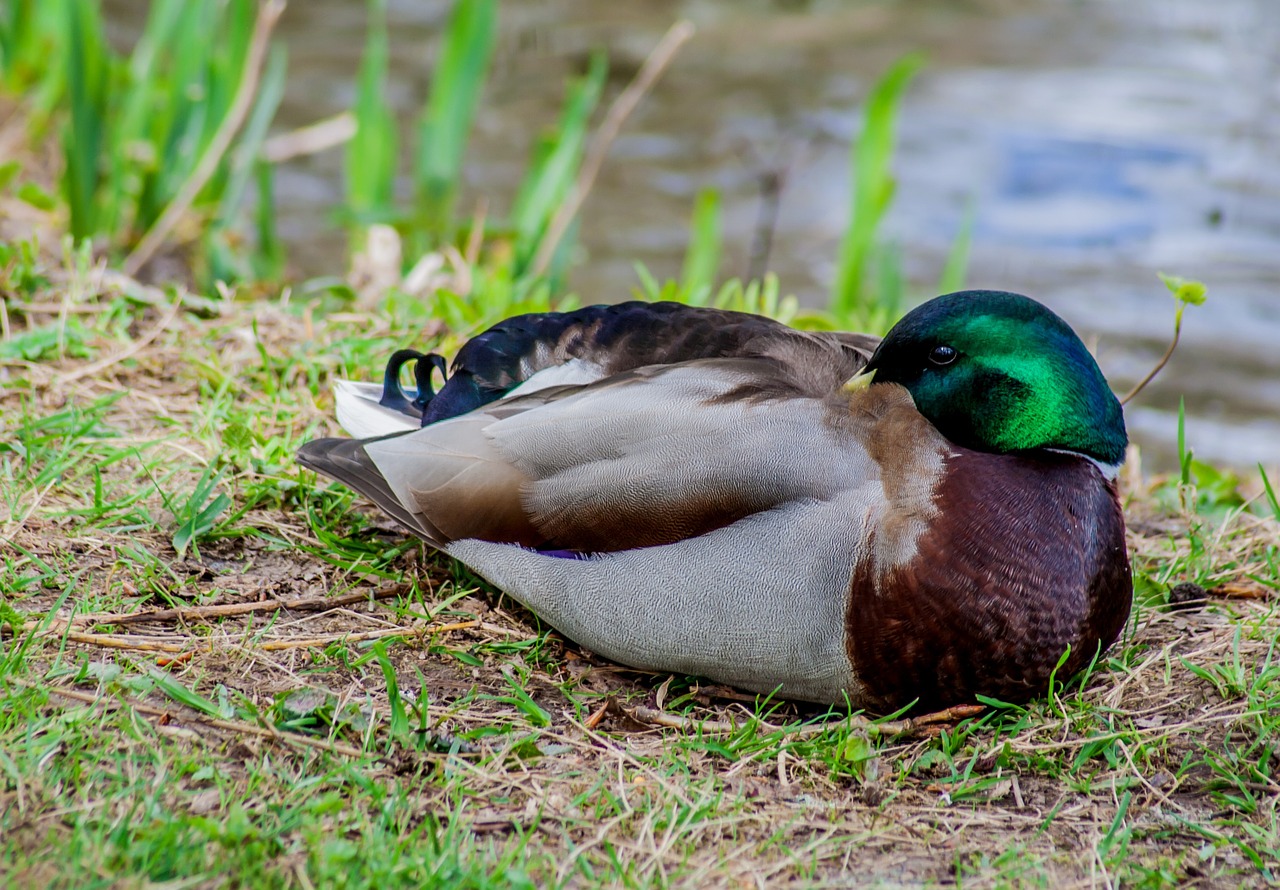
(924,725)
(129,351)
(1242,590)
(311,139)
(291,738)
(223,610)
(268,15)
(618,113)
(120,641)
(138,643)
(771,182)
(278,645)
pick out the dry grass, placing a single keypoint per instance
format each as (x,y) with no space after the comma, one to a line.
(303,698)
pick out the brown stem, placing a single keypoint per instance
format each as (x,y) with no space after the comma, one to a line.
(268,15)
(228,725)
(1164,360)
(911,727)
(618,113)
(223,610)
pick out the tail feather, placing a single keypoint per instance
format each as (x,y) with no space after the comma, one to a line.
(361,415)
(346,461)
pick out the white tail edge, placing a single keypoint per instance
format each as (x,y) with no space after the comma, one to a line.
(360,414)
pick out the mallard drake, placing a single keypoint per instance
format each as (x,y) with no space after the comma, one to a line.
(827,517)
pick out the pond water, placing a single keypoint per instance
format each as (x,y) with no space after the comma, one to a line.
(1097,141)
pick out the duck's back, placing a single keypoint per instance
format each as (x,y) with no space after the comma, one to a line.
(530,352)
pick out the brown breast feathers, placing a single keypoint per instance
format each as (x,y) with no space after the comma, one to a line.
(1024,557)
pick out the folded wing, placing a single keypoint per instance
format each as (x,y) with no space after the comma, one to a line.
(649,457)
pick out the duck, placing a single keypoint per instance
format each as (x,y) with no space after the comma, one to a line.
(911,522)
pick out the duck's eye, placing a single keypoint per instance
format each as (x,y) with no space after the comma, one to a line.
(942,355)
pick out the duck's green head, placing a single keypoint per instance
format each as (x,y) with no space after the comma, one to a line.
(999,372)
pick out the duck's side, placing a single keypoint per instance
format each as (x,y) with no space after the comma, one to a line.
(821,548)
(760,602)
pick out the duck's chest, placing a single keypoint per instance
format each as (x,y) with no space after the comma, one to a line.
(1022,559)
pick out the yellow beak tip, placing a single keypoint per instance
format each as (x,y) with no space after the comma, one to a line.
(859,381)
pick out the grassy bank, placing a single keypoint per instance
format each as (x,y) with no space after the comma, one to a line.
(219,670)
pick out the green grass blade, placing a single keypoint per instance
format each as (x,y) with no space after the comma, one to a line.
(371,154)
(183,110)
(873,183)
(399,718)
(136,104)
(33,38)
(455,94)
(957,267)
(189,697)
(702,259)
(88,76)
(270,258)
(200,512)
(555,168)
(1272,501)
(1184,456)
(249,144)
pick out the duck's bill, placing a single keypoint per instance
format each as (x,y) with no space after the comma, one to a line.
(859,381)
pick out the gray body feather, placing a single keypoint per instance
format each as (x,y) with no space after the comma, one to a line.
(715,606)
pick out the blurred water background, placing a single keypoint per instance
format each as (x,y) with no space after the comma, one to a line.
(1096,143)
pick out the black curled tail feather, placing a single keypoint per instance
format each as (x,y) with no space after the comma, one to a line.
(424,366)
(494,362)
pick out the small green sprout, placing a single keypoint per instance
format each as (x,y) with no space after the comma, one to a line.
(1186,292)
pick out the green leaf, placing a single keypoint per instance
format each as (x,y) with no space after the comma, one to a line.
(399,719)
(1272,501)
(192,699)
(36,196)
(371,153)
(455,94)
(1184,290)
(88,76)
(199,514)
(8,170)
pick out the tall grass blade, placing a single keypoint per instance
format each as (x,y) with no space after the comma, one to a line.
(244,158)
(890,287)
(88,81)
(181,113)
(399,718)
(371,154)
(702,258)
(957,267)
(873,184)
(32,33)
(129,135)
(554,168)
(455,94)
(1184,455)
(1272,501)
(270,255)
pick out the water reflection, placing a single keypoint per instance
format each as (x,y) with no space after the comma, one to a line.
(1099,142)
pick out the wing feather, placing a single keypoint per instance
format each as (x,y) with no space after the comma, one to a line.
(650,457)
